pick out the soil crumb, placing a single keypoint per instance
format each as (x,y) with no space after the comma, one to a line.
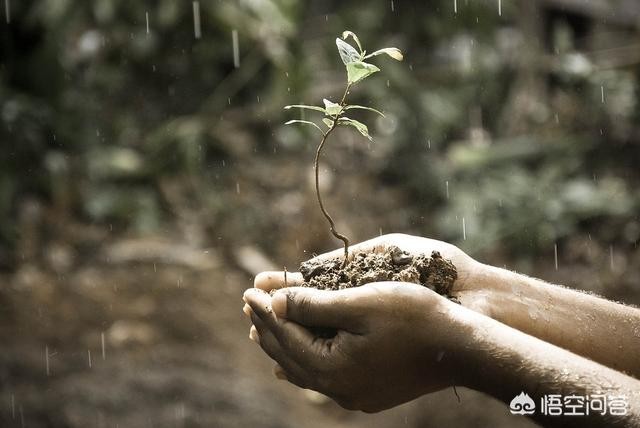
(393,264)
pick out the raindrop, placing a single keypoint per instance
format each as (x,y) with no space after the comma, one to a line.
(7,11)
(429,144)
(499,7)
(46,359)
(602,93)
(446,184)
(388,83)
(13,407)
(611,255)
(146,14)
(89,356)
(196,20)
(557,118)
(236,49)
(464,230)
(380,231)
(104,352)
(393,9)
(555,255)
(180,413)
(258,98)
(455,6)
(237,187)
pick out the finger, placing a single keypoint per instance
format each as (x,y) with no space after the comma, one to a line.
(274,349)
(268,281)
(341,309)
(298,342)
(260,303)
(253,334)
(247,310)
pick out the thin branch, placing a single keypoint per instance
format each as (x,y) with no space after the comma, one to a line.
(332,225)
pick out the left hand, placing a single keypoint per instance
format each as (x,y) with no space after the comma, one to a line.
(394,341)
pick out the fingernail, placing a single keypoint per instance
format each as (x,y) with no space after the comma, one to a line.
(279,304)
(247,310)
(253,334)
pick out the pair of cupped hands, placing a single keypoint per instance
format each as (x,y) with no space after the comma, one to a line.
(394,341)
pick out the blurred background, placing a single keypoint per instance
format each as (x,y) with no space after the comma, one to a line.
(146,176)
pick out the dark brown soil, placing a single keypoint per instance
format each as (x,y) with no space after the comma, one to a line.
(393,264)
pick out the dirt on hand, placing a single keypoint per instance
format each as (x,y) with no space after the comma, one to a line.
(393,264)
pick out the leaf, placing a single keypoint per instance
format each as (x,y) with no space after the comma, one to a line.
(303,106)
(364,108)
(331,108)
(306,122)
(328,122)
(347,52)
(361,127)
(394,53)
(356,71)
(346,34)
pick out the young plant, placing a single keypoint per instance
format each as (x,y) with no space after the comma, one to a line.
(357,71)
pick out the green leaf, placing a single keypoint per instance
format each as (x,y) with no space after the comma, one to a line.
(356,71)
(346,34)
(328,122)
(347,52)
(303,106)
(364,108)
(331,108)
(394,53)
(306,122)
(361,127)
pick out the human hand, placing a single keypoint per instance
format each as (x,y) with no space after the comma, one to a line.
(394,342)
(470,288)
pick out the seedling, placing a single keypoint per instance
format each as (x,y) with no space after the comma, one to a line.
(334,113)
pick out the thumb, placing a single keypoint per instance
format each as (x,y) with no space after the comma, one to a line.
(311,307)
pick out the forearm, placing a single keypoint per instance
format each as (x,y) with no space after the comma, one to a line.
(601,330)
(504,362)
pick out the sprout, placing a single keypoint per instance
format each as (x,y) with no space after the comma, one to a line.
(334,113)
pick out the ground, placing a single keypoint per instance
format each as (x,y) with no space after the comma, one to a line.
(176,353)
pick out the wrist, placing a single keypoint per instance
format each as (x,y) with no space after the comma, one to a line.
(450,338)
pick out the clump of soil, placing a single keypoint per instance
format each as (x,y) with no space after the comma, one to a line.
(393,264)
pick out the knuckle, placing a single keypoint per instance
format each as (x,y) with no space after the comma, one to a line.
(304,304)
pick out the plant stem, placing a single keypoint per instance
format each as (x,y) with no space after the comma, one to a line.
(332,225)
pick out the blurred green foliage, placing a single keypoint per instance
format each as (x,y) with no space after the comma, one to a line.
(529,118)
